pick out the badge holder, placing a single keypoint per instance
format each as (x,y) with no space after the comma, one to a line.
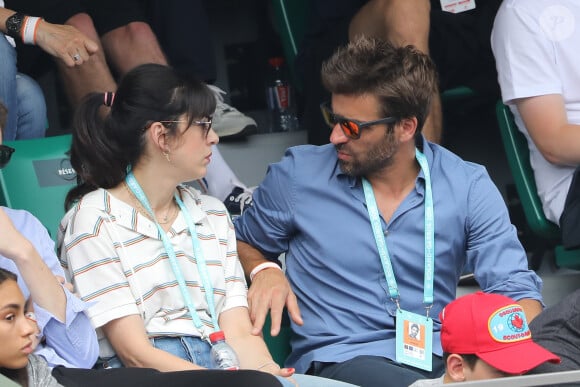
(414,339)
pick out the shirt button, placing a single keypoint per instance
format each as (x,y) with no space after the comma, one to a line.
(386,232)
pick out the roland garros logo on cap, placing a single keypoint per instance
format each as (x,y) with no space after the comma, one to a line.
(508,325)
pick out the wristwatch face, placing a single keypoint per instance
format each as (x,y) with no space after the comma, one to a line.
(14,25)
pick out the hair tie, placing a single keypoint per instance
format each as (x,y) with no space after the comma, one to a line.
(109,97)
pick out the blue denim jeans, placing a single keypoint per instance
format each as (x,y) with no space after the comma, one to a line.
(189,348)
(22,97)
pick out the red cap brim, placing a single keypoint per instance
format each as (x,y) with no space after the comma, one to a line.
(520,358)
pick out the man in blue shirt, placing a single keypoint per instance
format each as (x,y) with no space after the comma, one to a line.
(377,227)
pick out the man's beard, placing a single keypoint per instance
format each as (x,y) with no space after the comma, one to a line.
(377,157)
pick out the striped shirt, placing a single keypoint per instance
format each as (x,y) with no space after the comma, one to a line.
(116,259)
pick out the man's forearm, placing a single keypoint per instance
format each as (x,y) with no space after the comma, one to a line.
(250,257)
(531,307)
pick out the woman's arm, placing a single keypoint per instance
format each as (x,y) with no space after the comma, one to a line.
(129,339)
(45,289)
(70,341)
(251,349)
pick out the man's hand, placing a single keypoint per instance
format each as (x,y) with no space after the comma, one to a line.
(270,290)
(65,43)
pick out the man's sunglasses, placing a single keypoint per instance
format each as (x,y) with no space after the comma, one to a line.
(5,155)
(351,128)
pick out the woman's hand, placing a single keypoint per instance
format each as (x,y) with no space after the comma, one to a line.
(274,369)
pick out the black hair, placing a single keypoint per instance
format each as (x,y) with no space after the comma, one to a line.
(7,275)
(106,141)
(20,375)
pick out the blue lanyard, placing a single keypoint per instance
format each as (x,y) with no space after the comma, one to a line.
(134,186)
(429,237)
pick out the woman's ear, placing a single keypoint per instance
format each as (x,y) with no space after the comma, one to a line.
(158,136)
(455,368)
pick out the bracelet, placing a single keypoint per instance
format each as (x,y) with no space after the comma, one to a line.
(29,29)
(266,364)
(262,266)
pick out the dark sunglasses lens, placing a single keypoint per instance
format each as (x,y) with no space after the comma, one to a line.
(349,128)
(5,155)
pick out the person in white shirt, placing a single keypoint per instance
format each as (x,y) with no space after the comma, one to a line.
(535,47)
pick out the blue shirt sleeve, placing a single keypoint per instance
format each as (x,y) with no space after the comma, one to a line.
(71,343)
(493,249)
(268,224)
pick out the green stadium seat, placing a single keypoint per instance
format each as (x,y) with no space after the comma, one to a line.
(278,346)
(517,152)
(38,178)
(290,17)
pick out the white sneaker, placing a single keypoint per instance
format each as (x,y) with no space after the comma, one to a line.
(229,122)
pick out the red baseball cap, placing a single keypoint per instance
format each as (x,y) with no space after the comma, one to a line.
(494,328)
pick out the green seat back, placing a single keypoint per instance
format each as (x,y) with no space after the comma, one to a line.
(290,17)
(457,93)
(38,178)
(278,346)
(518,155)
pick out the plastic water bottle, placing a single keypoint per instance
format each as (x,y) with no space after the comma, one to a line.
(222,355)
(279,98)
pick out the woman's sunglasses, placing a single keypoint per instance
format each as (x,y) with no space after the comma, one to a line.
(5,155)
(351,128)
(205,125)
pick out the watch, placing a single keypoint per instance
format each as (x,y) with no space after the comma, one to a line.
(14,24)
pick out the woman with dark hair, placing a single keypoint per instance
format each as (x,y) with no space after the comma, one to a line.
(16,360)
(157,258)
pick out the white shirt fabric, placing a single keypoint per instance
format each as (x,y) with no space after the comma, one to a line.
(535,43)
(428,382)
(117,260)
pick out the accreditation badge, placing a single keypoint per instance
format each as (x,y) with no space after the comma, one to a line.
(414,339)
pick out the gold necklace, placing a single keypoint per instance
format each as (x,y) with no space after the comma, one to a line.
(144,211)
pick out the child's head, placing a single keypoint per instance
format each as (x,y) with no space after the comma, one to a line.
(15,328)
(486,336)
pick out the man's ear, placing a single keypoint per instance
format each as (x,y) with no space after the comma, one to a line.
(408,129)
(455,368)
